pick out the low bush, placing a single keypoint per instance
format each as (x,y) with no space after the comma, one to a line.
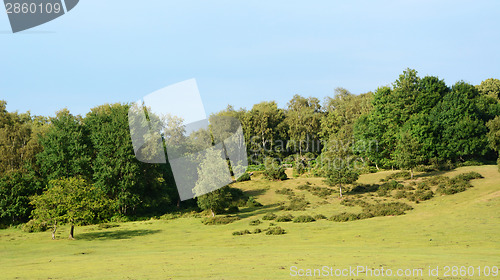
(284,218)
(387,209)
(257,230)
(34,226)
(304,219)
(344,217)
(219,220)
(304,187)
(285,191)
(297,204)
(269,216)
(469,176)
(242,232)
(251,202)
(273,170)
(244,177)
(319,217)
(422,195)
(170,216)
(255,222)
(275,231)
(405,175)
(400,194)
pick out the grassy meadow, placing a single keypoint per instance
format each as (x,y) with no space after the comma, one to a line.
(460,229)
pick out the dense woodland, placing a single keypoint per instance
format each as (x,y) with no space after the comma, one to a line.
(82,169)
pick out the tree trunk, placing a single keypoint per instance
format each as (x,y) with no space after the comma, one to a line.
(178,203)
(71,232)
(54,232)
(212,211)
(376,165)
(411,173)
(340,191)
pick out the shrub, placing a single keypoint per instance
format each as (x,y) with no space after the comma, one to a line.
(285,191)
(387,209)
(170,216)
(304,219)
(275,231)
(244,177)
(284,218)
(344,217)
(469,176)
(255,222)
(219,220)
(304,187)
(423,186)
(319,217)
(400,194)
(274,170)
(360,188)
(251,202)
(242,232)
(422,195)
(257,230)
(106,226)
(34,226)
(297,204)
(405,175)
(269,216)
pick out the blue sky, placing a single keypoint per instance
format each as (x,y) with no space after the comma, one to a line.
(241,52)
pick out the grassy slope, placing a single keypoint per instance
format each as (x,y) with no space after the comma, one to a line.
(461,229)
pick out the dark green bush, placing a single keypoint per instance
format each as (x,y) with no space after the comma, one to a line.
(244,177)
(405,175)
(285,191)
(422,195)
(275,231)
(34,226)
(319,217)
(387,209)
(251,202)
(219,220)
(284,218)
(304,219)
(274,170)
(400,194)
(255,222)
(468,176)
(242,232)
(297,204)
(304,187)
(257,230)
(269,216)
(344,217)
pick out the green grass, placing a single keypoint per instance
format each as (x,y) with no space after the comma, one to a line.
(459,229)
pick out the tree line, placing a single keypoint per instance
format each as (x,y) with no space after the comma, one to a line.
(86,164)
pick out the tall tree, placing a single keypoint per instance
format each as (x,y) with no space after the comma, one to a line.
(303,118)
(494,136)
(70,200)
(408,152)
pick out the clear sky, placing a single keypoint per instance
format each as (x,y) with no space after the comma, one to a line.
(242,52)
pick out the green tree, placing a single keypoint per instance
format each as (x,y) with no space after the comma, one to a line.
(303,119)
(70,200)
(66,148)
(274,170)
(340,163)
(408,152)
(494,136)
(212,175)
(490,87)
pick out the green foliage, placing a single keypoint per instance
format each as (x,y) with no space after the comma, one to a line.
(255,222)
(269,216)
(387,209)
(319,217)
(275,231)
(219,220)
(490,87)
(296,204)
(71,200)
(251,202)
(285,191)
(244,177)
(242,232)
(407,153)
(34,226)
(344,217)
(284,218)
(304,219)
(274,170)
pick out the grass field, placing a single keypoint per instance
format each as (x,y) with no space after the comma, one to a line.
(456,230)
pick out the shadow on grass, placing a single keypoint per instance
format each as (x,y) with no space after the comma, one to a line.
(430,174)
(256,192)
(253,211)
(115,234)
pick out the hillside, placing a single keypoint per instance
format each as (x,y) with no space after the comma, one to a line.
(459,229)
